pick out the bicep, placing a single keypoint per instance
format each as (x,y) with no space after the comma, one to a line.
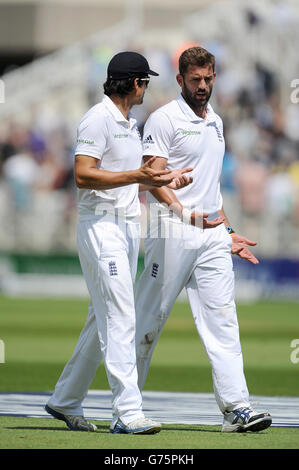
(91,137)
(83,163)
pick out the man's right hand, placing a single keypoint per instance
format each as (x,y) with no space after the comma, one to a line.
(158,178)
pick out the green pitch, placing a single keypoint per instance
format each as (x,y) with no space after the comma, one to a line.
(32,433)
(40,335)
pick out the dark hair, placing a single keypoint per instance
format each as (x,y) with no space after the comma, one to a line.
(195,56)
(120,87)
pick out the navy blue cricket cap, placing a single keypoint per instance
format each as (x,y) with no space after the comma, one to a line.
(128,64)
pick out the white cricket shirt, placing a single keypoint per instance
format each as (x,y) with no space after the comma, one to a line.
(104,133)
(176,133)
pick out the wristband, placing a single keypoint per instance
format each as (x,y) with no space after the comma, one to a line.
(230,229)
(186,215)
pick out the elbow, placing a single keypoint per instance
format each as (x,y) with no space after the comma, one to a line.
(80,183)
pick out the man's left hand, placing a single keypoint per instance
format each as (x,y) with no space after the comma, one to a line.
(239,248)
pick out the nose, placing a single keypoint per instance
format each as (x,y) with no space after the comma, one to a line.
(202,84)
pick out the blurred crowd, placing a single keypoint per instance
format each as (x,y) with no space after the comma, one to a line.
(260,179)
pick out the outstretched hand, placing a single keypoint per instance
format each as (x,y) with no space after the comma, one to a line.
(180,180)
(151,177)
(174,179)
(239,248)
(201,220)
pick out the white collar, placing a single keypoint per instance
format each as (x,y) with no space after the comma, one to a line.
(116,113)
(191,114)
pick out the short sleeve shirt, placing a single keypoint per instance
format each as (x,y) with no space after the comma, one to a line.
(105,134)
(177,134)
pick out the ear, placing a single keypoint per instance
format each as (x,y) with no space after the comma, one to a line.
(136,86)
(180,80)
(137,83)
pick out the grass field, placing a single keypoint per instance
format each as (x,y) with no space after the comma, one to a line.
(32,433)
(40,335)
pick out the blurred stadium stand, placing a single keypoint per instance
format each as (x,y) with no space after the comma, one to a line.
(53,58)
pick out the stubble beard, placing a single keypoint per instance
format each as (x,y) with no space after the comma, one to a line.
(198,104)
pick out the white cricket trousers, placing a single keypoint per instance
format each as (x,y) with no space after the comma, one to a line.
(199,260)
(108,253)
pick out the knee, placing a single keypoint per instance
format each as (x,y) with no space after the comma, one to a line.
(146,342)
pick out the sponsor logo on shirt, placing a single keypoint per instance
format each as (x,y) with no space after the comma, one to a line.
(120,136)
(189,132)
(148,140)
(85,141)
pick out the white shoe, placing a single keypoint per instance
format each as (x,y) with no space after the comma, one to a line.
(139,426)
(245,419)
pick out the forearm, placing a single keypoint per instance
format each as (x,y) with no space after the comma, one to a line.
(226,222)
(222,214)
(166,196)
(145,187)
(94,178)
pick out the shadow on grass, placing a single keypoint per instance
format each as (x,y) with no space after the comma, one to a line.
(191,429)
(100,429)
(105,429)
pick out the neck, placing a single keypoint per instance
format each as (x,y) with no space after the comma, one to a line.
(200,111)
(123,103)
